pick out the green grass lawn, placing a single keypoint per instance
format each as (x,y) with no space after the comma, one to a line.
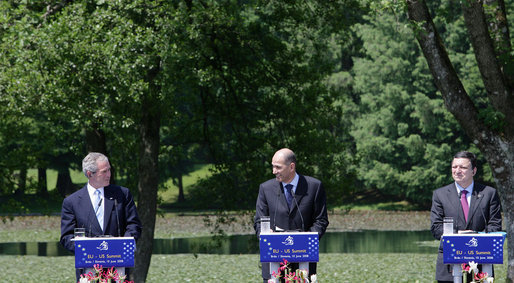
(333,268)
(170,193)
(77,177)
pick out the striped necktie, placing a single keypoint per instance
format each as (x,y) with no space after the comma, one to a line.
(99,212)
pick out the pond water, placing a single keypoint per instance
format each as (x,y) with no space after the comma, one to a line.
(368,241)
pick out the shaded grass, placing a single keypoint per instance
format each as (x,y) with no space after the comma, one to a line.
(170,194)
(30,203)
(77,177)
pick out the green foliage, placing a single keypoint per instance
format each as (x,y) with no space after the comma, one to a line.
(264,77)
(232,83)
(404,136)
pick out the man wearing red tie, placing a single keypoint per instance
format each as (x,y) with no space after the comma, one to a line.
(473,206)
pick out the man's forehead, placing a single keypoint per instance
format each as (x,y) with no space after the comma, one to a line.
(461,161)
(103,164)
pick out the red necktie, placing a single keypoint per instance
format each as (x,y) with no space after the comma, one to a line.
(464,202)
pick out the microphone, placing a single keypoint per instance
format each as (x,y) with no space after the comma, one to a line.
(89,222)
(98,207)
(299,211)
(275,213)
(89,219)
(117,217)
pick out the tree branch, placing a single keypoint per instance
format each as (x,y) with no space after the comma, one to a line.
(455,96)
(52,9)
(499,30)
(494,81)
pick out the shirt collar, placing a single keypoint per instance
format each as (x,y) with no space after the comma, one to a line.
(91,190)
(294,182)
(468,188)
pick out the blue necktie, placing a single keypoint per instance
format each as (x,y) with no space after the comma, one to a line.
(98,209)
(289,194)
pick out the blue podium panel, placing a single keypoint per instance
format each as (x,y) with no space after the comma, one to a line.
(480,248)
(107,252)
(294,247)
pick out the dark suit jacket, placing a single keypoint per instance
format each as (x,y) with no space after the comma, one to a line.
(78,212)
(484,215)
(309,215)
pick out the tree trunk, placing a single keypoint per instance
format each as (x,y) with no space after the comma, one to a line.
(95,139)
(496,145)
(64,184)
(42,187)
(96,142)
(147,187)
(22,182)
(180,185)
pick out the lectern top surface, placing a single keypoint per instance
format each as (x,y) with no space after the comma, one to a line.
(101,238)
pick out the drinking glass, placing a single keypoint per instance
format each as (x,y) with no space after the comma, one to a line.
(447,225)
(80,232)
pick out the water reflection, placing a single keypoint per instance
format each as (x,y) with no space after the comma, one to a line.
(333,242)
(33,248)
(378,242)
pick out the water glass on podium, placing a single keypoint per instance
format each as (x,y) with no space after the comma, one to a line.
(80,232)
(448,225)
(265,224)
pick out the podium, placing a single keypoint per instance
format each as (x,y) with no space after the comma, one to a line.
(482,248)
(297,247)
(108,252)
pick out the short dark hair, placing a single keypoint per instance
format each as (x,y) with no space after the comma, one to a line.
(469,155)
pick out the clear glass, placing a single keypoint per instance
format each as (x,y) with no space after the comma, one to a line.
(80,232)
(448,225)
(265,224)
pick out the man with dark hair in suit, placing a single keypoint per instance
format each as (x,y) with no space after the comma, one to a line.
(100,208)
(473,206)
(293,202)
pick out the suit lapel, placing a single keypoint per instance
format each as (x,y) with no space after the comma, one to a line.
(85,201)
(282,196)
(301,191)
(476,198)
(453,196)
(108,203)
